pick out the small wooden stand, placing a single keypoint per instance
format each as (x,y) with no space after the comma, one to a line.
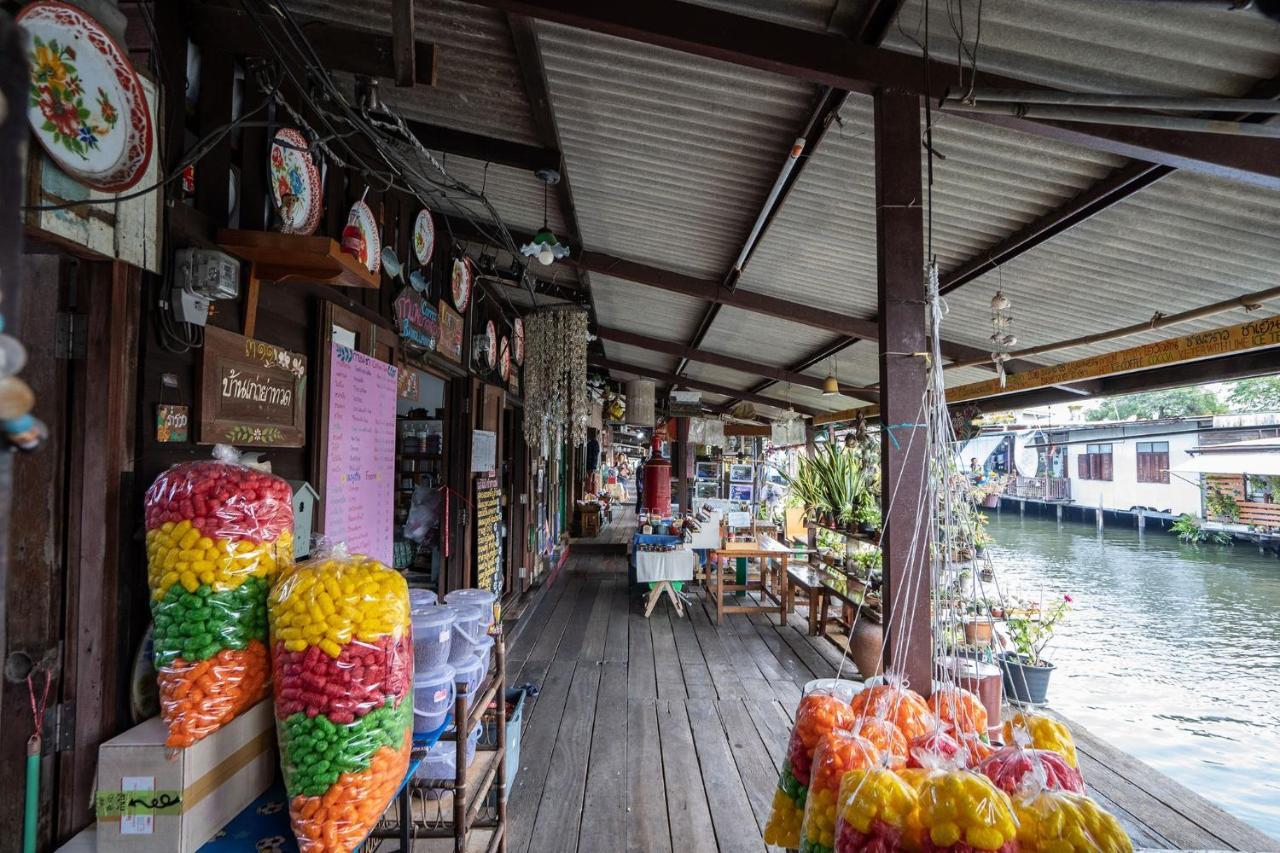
(660,587)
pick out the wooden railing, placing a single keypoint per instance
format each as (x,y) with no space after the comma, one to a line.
(1040,488)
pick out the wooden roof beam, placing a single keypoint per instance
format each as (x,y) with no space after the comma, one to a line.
(518,155)
(832,60)
(697,385)
(775,374)
(340,48)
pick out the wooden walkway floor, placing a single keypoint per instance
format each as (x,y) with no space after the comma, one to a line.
(613,536)
(667,734)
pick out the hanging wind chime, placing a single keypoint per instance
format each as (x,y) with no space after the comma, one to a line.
(557,402)
(1001,337)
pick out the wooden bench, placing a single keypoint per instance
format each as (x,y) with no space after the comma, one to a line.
(808,580)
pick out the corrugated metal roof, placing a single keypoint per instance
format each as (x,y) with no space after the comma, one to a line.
(514,193)
(671,156)
(1186,241)
(622,304)
(638,356)
(478,83)
(1134,47)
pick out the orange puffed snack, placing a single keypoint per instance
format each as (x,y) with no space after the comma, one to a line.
(900,705)
(818,714)
(199,698)
(340,820)
(838,753)
(886,738)
(960,709)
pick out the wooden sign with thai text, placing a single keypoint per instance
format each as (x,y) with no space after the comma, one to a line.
(251,393)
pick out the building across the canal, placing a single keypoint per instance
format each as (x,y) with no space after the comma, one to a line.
(1158,468)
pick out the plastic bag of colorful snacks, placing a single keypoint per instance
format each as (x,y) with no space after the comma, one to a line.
(897,703)
(872,811)
(886,737)
(1010,766)
(818,714)
(217,533)
(959,710)
(838,752)
(1067,822)
(1044,732)
(343,654)
(960,811)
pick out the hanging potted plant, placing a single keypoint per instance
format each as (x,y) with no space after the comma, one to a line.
(1026,672)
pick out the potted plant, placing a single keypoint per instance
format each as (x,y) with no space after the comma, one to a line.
(868,515)
(986,491)
(1222,505)
(1026,672)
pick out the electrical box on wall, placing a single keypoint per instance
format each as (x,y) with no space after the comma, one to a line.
(201,276)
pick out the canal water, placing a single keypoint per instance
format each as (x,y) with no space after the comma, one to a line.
(1171,653)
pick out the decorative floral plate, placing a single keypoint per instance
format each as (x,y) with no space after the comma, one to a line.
(295,183)
(517,334)
(424,237)
(504,359)
(461,285)
(491,332)
(362,217)
(85,103)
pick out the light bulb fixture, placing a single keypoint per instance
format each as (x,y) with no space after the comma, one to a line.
(831,385)
(544,246)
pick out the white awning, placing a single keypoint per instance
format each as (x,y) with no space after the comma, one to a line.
(980,447)
(1249,462)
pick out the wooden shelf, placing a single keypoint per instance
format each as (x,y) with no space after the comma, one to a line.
(848,534)
(292,257)
(419,454)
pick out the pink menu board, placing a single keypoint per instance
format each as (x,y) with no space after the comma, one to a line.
(359,499)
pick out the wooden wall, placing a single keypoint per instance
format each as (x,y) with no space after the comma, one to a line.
(1251,512)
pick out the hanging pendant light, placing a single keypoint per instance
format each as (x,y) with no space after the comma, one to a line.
(544,246)
(831,385)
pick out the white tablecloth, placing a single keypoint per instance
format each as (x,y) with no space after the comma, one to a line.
(654,566)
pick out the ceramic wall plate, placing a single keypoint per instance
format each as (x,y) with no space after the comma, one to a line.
(361,216)
(295,183)
(504,359)
(491,332)
(424,237)
(85,104)
(461,284)
(517,345)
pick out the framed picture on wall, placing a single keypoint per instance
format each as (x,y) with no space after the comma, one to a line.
(741,492)
(705,489)
(708,470)
(741,473)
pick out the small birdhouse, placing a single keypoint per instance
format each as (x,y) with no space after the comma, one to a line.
(304,506)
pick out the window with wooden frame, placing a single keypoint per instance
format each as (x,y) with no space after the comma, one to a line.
(1095,462)
(1260,489)
(1153,461)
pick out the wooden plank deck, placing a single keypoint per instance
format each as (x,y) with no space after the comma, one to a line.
(667,734)
(613,536)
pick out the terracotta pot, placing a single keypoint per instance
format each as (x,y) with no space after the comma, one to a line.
(977,632)
(867,646)
(991,501)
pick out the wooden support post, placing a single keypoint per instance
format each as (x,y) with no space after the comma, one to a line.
(1059,513)
(810,448)
(1099,513)
(900,287)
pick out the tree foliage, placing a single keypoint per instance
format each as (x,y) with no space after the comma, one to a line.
(1255,395)
(1173,403)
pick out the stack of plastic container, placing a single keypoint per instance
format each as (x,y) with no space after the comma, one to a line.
(434,678)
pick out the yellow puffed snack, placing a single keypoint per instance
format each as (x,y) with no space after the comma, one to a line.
(1066,822)
(873,808)
(1045,732)
(959,807)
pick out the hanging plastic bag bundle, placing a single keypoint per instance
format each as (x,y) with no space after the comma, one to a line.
(886,737)
(1045,733)
(1067,822)
(217,532)
(897,703)
(959,811)
(818,714)
(1009,766)
(838,752)
(343,658)
(960,710)
(872,810)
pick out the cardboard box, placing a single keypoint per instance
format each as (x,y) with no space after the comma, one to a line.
(151,798)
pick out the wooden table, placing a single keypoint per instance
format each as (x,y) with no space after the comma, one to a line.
(809,580)
(765,550)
